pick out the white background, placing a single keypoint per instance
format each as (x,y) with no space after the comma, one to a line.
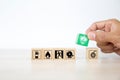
(50,23)
(53,23)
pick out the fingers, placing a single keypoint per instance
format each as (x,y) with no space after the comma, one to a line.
(103,30)
(91,35)
(106,34)
(117,51)
(96,26)
(106,47)
(102,25)
(101,36)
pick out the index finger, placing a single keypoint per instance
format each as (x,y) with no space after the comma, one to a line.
(96,26)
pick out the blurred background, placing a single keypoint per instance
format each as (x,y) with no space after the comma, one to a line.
(50,23)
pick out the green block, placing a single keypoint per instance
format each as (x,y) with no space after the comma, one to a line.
(82,39)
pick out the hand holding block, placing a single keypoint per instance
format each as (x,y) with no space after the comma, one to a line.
(92,53)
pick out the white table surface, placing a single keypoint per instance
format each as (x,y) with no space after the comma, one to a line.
(16,64)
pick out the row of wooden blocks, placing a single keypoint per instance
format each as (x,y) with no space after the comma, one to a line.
(61,53)
(53,53)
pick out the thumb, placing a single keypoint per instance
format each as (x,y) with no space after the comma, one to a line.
(100,36)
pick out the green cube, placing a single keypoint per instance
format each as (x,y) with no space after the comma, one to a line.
(82,39)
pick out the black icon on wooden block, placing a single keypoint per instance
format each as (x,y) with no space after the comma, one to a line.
(69,54)
(47,55)
(59,54)
(36,54)
(92,53)
(53,53)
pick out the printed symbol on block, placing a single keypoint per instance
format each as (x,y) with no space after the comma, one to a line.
(69,54)
(36,54)
(92,53)
(82,39)
(47,54)
(58,54)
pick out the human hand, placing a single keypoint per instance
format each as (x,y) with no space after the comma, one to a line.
(107,35)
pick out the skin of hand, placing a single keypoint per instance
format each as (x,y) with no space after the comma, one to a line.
(107,35)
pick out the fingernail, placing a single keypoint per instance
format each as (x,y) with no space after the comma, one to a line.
(91,36)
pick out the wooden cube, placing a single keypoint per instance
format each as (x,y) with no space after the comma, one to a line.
(53,53)
(36,54)
(47,53)
(69,53)
(92,53)
(59,53)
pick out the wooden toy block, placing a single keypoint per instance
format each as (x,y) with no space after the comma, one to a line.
(47,53)
(59,53)
(69,53)
(92,53)
(36,54)
(53,53)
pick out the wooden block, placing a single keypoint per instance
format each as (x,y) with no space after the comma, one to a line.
(69,53)
(53,53)
(92,53)
(36,54)
(47,53)
(59,53)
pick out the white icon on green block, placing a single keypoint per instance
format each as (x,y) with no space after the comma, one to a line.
(82,39)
